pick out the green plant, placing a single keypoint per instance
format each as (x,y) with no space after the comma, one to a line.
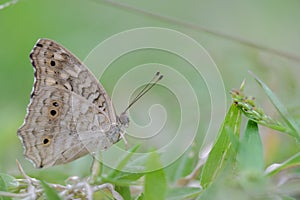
(234,168)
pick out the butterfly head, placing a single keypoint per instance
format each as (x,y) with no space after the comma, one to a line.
(124,119)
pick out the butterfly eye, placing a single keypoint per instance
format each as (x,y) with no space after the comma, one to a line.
(54,108)
(52,63)
(46,140)
(53,112)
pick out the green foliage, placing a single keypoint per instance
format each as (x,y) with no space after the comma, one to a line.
(249,108)
(183,193)
(233,169)
(294,161)
(6,181)
(155,186)
(251,145)
(223,151)
(293,126)
(50,193)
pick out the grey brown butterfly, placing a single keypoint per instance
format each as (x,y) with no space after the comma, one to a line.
(70,114)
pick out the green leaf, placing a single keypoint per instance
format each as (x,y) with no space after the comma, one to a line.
(183,193)
(155,187)
(250,160)
(224,149)
(184,165)
(50,192)
(120,178)
(123,191)
(124,178)
(3,187)
(291,162)
(250,154)
(141,197)
(122,163)
(295,131)
(7,182)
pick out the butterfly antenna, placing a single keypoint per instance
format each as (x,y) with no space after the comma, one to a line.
(157,77)
(141,93)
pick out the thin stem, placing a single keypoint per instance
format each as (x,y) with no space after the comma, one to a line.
(203,29)
(7,4)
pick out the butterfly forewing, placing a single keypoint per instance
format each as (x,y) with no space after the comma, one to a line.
(56,66)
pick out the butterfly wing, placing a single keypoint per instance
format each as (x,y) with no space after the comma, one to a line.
(56,66)
(69,109)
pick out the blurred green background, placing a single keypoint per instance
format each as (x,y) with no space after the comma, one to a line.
(81,25)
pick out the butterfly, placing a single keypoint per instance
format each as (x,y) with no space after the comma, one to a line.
(70,114)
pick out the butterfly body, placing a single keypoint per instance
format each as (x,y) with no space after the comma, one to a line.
(70,114)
